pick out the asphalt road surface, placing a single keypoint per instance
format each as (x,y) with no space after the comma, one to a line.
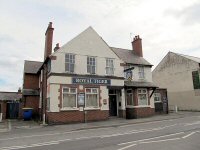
(175,134)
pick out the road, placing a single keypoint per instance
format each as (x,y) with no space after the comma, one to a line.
(174,134)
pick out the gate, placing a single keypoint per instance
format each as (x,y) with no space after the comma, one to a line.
(12,111)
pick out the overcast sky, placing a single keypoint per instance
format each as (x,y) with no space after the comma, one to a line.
(163,25)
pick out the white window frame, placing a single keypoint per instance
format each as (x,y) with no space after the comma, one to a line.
(138,92)
(68,108)
(93,107)
(70,62)
(157,95)
(110,66)
(91,64)
(141,73)
(132,97)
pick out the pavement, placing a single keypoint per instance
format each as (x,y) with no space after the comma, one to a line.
(8,125)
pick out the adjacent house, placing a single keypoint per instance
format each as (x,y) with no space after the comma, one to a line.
(180,74)
(10,105)
(31,86)
(87,80)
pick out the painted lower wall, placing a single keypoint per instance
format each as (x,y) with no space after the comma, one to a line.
(187,100)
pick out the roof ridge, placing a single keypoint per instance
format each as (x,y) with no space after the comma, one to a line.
(33,61)
(120,48)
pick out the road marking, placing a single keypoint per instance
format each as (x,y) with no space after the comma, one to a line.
(34,145)
(194,123)
(133,132)
(152,138)
(127,146)
(188,135)
(147,142)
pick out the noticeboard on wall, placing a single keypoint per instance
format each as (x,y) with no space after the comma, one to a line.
(81,99)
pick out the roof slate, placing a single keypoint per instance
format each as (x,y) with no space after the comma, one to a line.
(10,96)
(129,57)
(32,66)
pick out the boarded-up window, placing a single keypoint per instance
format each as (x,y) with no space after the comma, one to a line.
(196,80)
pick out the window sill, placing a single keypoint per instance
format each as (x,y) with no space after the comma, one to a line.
(92,108)
(68,109)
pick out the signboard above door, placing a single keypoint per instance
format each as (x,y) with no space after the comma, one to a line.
(97,81)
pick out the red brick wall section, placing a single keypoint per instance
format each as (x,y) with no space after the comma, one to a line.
(3,107)
(122,113)
(144,112)
(31,81)
(75,116)
(33,102)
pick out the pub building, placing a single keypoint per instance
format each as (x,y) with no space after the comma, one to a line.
(87,80)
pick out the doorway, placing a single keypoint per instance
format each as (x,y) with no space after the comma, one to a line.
(113,105)
(12,110)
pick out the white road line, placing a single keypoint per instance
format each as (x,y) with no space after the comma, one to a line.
(151,138)
(194,123)
(147,142)
(188,135)
(127,146)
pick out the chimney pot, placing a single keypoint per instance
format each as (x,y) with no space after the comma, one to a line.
(137,46)
(57,47)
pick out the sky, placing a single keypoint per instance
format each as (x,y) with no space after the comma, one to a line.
(163,25)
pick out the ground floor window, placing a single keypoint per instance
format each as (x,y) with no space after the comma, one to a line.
(48,104)
(129,97)
(157,97)
(69,97)
(142,97)
(91,97)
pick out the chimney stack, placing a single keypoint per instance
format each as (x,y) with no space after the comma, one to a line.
(48,40)
(137,46)
(57,47)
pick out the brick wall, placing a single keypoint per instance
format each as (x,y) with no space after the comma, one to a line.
(3,109)
(76,116)
(31,81)
(122,113)
(133,113)
(33,102)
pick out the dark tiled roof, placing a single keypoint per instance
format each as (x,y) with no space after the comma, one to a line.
(32,66)
(129,57)
(10,96)
(139,84)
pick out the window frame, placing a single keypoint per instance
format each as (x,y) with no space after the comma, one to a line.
(86,93)
(138,94)
(157,95)
(65,87)
(141,72)
(70,62)
(90,64)
(110,69)
(132,100)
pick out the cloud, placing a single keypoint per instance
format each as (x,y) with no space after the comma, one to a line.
(164,25)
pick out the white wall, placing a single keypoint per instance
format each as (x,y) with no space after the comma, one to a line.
(88,43)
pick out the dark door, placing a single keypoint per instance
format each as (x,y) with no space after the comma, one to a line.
(12,110)
(112,105)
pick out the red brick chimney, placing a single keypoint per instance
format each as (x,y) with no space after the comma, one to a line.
(48,40)
(137,46)
(57,47)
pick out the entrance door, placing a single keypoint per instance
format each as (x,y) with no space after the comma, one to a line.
(12,110)
(113,105)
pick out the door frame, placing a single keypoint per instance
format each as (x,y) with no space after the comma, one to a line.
(117,101)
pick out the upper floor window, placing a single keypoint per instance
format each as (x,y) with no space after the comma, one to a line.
(49,66)
(69,97)
(69,62)
(141,72)
(91,65)
(109,66)
(196,79)
(142,97)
